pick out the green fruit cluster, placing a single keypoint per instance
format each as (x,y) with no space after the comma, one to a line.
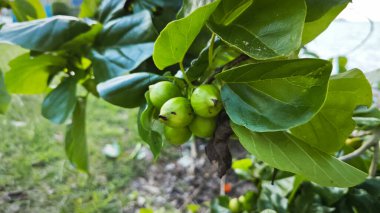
(183,117)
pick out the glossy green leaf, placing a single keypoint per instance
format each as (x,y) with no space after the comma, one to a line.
(176,38)
(146,128)
(262,29)
(127,91)
(112,63)
(123,45)
(189,6)
(110,9)
(75,140)
(26,10)
(320,13)
(29,75)
(328,130)
(88,8)
(286,152)
(277,95)
(44,34)
(5,98)
(60,102)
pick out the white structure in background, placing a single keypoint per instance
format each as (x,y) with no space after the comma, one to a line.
(344,37)
(361,10)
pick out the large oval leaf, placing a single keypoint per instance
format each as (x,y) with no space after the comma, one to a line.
(113,62)
(329,129)
(29,75)
(75,138)
(286,152)
(127,91)
(276,95)
(60,102)
(176,38)
(122,45)
(44,34)
(262,29)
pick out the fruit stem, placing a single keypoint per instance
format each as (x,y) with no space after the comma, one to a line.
(184,75)
(211,49)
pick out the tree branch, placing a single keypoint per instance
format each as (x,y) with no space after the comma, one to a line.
(375,161)
(361,150)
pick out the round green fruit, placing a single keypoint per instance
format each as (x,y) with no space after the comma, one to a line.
(206,101)
(177,136)
(176,112)
(161,92)
(203,127)
(234,205)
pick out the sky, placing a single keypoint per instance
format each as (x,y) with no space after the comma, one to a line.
(360,10)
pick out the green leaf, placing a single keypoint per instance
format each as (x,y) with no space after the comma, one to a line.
(9,52)
(26,10)
(88,8)
(75,140)
(44,34)
(286,152)
(123,45)
(163,11)
(110,9)
(320,13)
(83,42)
(328,130)
(262,29)
(176,38)
(127,91)
(199,67)
(277,95)
(29,75)
(146,127)
(189,6)
(5,98)
(60,102)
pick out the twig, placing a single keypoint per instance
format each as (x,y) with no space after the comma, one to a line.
(222,183)
(274,174)
(375,161)
(361,150)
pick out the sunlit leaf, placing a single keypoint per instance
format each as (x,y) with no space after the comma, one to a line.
(286,152)
(328,130)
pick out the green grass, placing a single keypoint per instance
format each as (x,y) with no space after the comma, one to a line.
(32,160)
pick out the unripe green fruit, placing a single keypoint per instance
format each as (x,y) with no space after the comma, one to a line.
(177,136)
(206,101)
(161,92)
(202,127)
(234,205)
(176,112)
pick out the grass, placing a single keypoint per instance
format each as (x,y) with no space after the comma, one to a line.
(35,175)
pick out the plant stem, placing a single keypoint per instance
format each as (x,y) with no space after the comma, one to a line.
(375,160)
(184,75)
(361,150)
(211,49)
